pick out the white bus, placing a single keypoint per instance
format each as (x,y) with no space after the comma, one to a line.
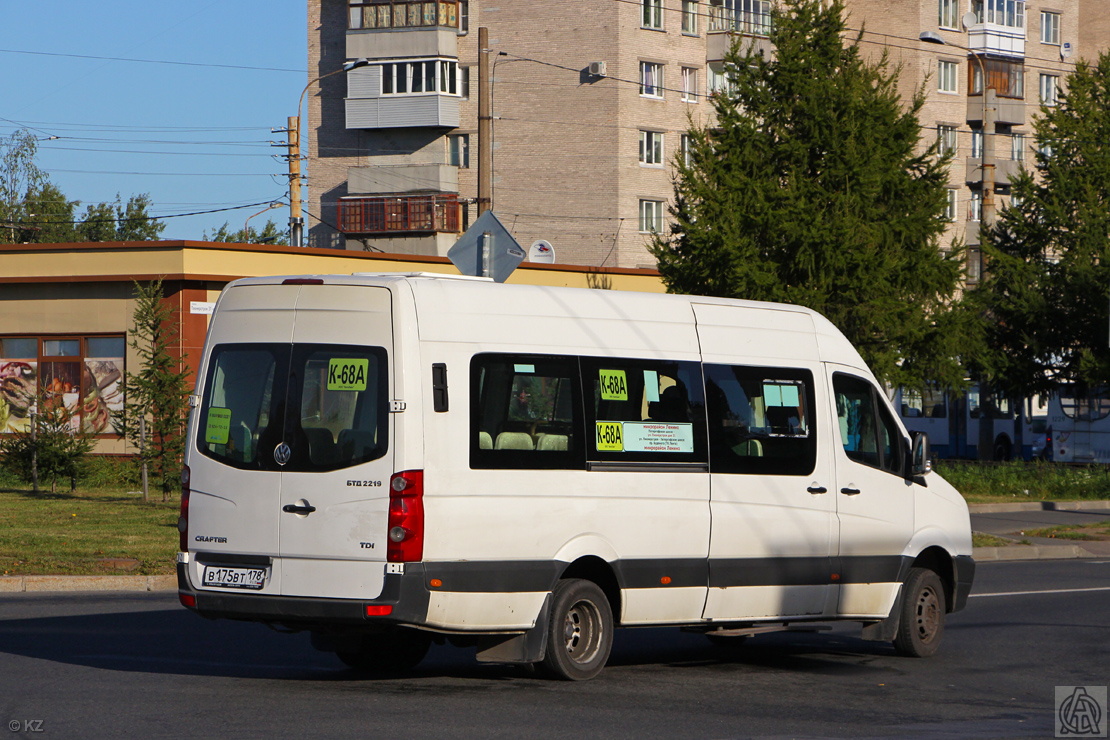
(953,419)
(385,461)
(1078,428)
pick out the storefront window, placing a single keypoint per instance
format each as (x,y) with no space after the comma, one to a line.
(80,374)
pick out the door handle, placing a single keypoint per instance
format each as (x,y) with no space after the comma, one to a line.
(850,491)
(817,489)
(295,509)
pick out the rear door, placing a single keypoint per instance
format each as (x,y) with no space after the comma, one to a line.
(294,440)
(334,497)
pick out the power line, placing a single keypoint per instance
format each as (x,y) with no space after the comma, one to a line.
(153,61)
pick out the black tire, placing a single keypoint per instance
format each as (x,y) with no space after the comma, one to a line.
(389,653)
(921,623)
(579,631)
(1002,449)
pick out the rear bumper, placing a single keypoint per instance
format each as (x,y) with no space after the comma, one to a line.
(965,574)
(405,593)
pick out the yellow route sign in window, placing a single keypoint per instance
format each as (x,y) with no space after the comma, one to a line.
(614,385)
(610,436)
(347,374)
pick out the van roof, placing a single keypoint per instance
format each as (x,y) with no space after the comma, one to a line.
(464,308)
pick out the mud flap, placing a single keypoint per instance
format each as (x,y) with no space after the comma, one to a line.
(885,630)
(529,647)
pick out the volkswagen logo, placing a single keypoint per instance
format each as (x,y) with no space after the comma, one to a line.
(282,453)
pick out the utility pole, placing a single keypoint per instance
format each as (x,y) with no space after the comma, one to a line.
(296,221)
(485,126)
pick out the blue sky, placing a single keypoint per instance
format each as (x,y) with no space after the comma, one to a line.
(193,133)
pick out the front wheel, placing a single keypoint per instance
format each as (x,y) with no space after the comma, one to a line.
(921,622)
(579,631)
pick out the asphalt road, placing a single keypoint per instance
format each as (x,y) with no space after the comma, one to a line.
(119,665)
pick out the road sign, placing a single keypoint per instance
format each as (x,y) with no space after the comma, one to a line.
(487,249)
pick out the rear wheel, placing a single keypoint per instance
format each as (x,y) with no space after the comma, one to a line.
(579,632)
(921,625)
(393,652)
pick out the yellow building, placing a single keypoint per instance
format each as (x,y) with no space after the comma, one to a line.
(66,309)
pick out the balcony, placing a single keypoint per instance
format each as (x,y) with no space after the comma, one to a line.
(729,19)
(1005,170)
(997,39)
(404,94)
(399,214)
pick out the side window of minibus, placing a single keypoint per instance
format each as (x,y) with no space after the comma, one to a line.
(525,412)
(644,410)
(868,433)
(761,420)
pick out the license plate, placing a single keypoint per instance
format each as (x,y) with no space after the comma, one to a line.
(249,578)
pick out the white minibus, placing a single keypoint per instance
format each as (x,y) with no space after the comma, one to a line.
(386,461)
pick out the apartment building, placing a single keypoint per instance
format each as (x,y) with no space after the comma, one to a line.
(591,100)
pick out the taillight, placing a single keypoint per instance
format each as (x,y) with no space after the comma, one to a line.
(406,517)
(183,520)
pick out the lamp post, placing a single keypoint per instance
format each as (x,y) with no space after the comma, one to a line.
(293,130)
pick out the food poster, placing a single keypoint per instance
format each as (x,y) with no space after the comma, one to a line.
(61,387)
(18,384)
(103,397)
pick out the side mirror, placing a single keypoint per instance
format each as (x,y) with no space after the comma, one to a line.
(920,455)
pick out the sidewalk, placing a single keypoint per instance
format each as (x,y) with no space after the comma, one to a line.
(1001,520)
(1009,521)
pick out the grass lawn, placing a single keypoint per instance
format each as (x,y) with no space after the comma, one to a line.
(983,483)
(1099,531)
(90,532)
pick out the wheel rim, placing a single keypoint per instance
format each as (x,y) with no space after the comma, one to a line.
(928,614)
(582,632)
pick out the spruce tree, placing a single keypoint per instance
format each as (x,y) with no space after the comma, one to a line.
(813,187)
(1046,286)
(158,393)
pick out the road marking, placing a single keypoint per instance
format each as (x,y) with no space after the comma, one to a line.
(1053,591)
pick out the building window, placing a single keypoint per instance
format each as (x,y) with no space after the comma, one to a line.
(652,15)
(752,17)
(949,12)
(974,265)
(1001,12)
(946,76)
(718,82)
(651,148)
(1049,89)
(946,139)
(690,17)
(651,216)
(951,208)
(976,143)
(690,84)
(686,149)
(458,150)
(975,206)
(420,77)
(79,376)
(1050,28)
(375,14)
(1017,147)
(651,80)
(1004,77)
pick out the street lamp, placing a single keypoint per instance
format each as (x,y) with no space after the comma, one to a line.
(987,155)
(296,222)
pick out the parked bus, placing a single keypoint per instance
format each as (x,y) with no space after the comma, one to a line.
(952,420)
(1078,426)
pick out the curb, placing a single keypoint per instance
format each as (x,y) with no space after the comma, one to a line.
(1030,552)
(1037,506)
(49,584)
